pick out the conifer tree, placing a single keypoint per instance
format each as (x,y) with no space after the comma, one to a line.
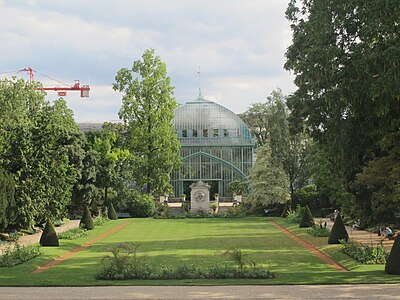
(87,220)
(393,261)
(307,220)
(112,214)
(338,231)
(49,236)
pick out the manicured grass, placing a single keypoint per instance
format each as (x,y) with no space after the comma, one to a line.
(198,241)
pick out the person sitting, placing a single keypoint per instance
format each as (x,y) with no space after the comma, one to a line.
(357,224)
(388,233)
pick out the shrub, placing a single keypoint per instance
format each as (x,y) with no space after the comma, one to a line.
(393,261)
(125,263)
(49,236)
(86,220)
(140,205)
(72,234)
(365,254)
(101,220)
(112,214)
(294,216)
(318,231)
(307,220)
(18,254)
(338,231)
(163,210)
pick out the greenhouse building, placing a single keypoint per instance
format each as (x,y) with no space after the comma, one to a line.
(216,147)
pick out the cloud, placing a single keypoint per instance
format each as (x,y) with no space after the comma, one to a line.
(239,45)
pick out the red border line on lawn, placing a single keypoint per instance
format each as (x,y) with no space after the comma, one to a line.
(311,248)
(67,255)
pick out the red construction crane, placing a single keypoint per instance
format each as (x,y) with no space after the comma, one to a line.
(61,91)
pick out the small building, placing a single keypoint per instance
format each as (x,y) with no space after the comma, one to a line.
(216,147)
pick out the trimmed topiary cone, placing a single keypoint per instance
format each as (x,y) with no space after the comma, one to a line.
(49,236)
(285,209)
(112,214)
(393,261)
(87,220)
(338,231)
(307,220)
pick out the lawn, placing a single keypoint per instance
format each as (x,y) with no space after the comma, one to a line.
(197,241)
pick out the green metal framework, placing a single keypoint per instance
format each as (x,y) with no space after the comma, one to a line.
(216,146)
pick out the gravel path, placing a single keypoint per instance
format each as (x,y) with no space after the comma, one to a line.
(367,291)
(34,238)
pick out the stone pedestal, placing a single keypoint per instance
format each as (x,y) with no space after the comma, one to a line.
(199,197)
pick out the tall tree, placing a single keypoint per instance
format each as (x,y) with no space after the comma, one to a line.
(268,181)
(148,109)
(345,56)
(7,202)
(378,185)
(269,123)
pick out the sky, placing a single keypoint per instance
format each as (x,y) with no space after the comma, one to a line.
(239,46)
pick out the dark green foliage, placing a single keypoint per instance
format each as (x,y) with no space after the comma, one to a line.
(49,236)
(7,202)
(365,254)
(140,205)
(87,220)
(112,214)
(285,209)
(338,231)
(307,195)
(393,261)
(307,220)
(294,216)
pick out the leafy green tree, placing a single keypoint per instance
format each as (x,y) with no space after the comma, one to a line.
(41,149)
(7,201)
(268,181)
(84,190)
(110,161)
(345,56)
(325,174)
(378,185)
(148,109)
(269,123)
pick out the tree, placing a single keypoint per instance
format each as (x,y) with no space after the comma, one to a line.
(307,220)
(345,57)
(268,181)
(377,187)
(393,263)
(109,162)
(7,201)
(41,149)
(269,123)
(338,231)
(49,236)
(86,220)
(148,109)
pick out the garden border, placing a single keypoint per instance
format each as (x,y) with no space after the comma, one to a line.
(67,255)
(311,248)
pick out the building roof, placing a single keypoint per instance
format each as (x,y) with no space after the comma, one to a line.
(205,122)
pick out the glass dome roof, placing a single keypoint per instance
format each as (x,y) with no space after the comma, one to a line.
(207,123)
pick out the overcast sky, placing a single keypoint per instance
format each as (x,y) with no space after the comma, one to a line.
(238,44)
